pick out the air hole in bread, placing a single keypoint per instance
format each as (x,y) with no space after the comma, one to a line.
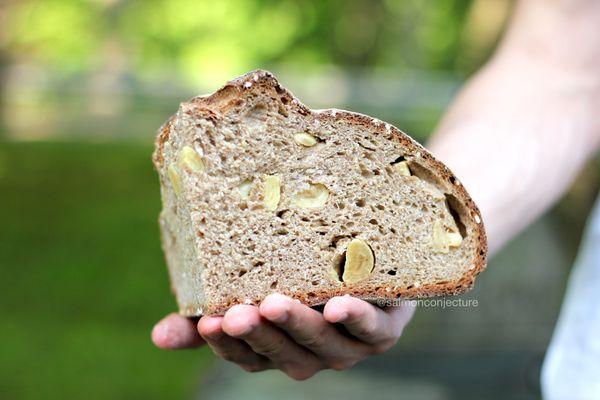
(397,160)
(273,285)
(458,211)
(334,240)
(282,111)
(361,202)
(283,213)
(392,272)
(424,174)
(259,112)
(364,171)
(368,156)
(338,265)
(320,222)
(242,272)
(280,144)
(211,136)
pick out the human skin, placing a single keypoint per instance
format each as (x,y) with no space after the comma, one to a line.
(516,135)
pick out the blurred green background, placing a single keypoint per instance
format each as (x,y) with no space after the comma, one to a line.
(84,84)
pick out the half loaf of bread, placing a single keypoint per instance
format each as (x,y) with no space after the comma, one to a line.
(262,194)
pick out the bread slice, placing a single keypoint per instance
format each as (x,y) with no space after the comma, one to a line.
(261,194)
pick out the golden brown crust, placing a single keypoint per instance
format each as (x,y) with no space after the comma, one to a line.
(228,96)
(161,139)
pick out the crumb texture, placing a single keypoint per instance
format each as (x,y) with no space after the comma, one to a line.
(268,195)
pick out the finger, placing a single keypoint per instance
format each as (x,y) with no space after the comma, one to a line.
(228,348)
(308,328)
(364,321)
(176,332)
(244,322)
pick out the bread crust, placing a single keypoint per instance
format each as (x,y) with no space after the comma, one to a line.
(214,105)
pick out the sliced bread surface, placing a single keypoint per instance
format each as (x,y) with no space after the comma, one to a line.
(262,194)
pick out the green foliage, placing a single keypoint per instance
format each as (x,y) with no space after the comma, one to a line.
(59,32)
(83,276)
(207,39)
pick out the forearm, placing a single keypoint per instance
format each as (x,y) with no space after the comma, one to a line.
(560,34)
(525,125)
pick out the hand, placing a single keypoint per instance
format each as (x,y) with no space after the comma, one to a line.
(284,334)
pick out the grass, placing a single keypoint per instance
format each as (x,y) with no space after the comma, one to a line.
(83,276)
